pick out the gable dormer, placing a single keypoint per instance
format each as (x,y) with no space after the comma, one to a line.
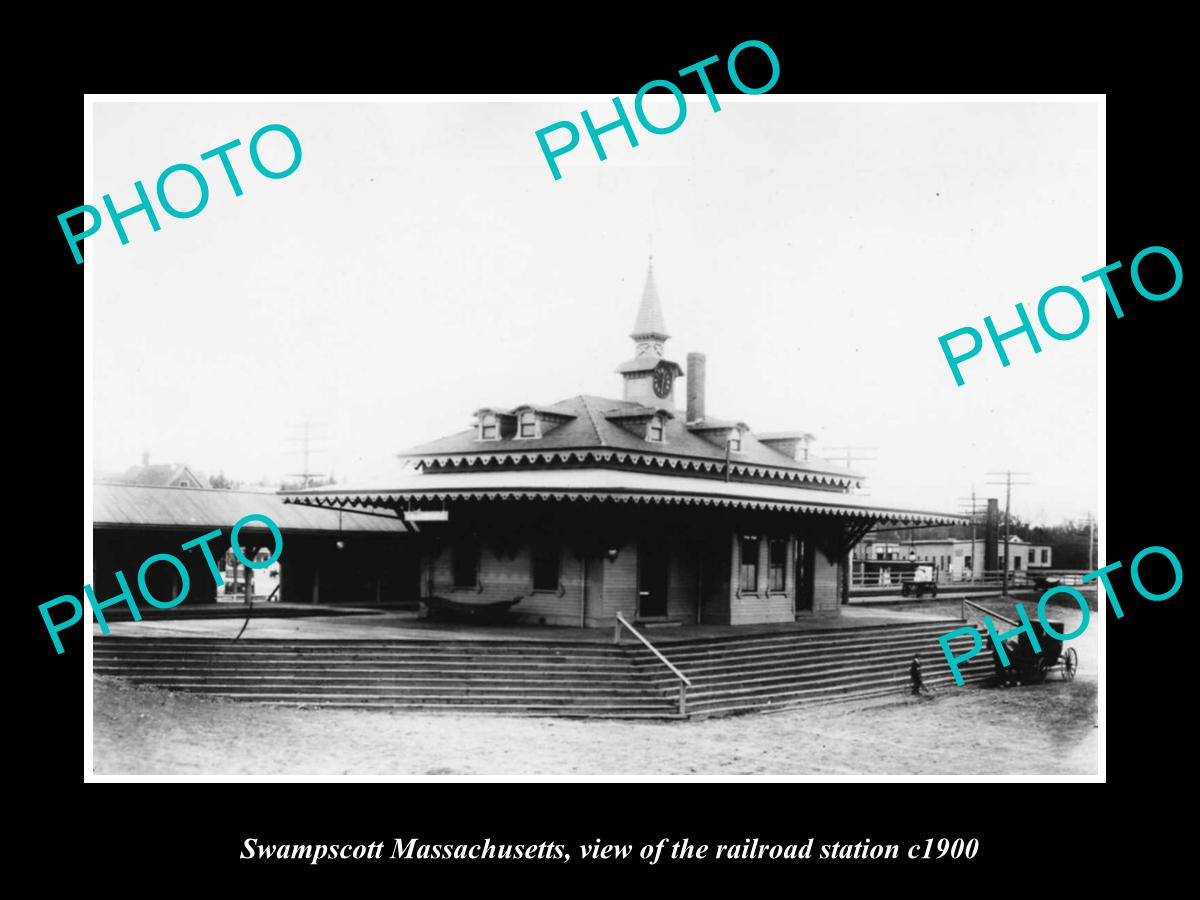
(792,444)
(646,422)
(722,434)
(533,422)
(494,424)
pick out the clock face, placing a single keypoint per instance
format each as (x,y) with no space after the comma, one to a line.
(663,378)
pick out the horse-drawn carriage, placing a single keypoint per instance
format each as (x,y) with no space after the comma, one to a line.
(1027,666)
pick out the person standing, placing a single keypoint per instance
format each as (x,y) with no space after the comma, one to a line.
(917,677)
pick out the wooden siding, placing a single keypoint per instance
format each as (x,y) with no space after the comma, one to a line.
(506,578)
(703,564)
(620,584)
(761,604)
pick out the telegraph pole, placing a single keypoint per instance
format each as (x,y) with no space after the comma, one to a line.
(973,511)
(1008,484)
(305,438)
(1091,542)
(850,455)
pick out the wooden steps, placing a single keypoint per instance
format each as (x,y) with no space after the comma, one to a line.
(730,674)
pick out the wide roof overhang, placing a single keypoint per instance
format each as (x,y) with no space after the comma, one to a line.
(602,485)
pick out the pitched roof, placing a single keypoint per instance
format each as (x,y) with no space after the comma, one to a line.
(592,430)
(158,474)
(649,315)
(141,506)
(611,486)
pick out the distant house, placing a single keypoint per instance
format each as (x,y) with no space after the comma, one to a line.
(955,558)
(160,475)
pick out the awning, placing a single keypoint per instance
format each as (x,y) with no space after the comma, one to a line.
(612,486)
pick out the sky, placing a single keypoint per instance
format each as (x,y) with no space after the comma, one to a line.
(422,262)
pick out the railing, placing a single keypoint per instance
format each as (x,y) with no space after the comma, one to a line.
(990,578)
(1065,576)
(684,681)
(984,609)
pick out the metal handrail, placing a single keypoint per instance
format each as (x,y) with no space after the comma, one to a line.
(994,615)
(684,681)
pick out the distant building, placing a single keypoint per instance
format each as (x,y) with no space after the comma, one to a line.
(159,475)
(955,559)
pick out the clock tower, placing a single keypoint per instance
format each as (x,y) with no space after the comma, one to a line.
(649,377)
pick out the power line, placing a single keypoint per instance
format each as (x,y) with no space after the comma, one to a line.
(973,512)
(306,439)
(850,455)
(1008,485)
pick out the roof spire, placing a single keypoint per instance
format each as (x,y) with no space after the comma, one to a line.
(649,322)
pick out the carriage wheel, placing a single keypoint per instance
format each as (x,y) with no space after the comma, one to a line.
(1070,664)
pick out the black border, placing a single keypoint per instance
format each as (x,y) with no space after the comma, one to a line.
(196,832)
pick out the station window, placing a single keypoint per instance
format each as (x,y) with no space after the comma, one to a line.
(528,427)
(465,562)
(656,430)
(546,563)
(749,571)
(1045,556)
(777,565)
(735,440)
(489,427)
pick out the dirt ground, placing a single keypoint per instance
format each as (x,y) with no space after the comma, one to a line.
(1042,729)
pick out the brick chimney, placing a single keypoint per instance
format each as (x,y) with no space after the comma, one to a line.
(695,388)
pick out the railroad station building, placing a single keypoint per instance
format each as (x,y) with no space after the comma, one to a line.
(646,504)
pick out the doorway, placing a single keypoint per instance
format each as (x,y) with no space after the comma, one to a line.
(652,580)
(804,577)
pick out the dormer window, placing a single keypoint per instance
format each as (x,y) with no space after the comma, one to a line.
(527,426)
(735,440)
(657,429)
(489,427)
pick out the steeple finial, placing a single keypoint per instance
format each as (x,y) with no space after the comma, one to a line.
(650,324)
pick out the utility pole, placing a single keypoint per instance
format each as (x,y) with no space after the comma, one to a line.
(1091,542)
(305,438)
(1008,484)
(973,511)
(849,455)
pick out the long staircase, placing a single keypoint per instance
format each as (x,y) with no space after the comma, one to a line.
(514,677)
(539,678)
(782,670)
